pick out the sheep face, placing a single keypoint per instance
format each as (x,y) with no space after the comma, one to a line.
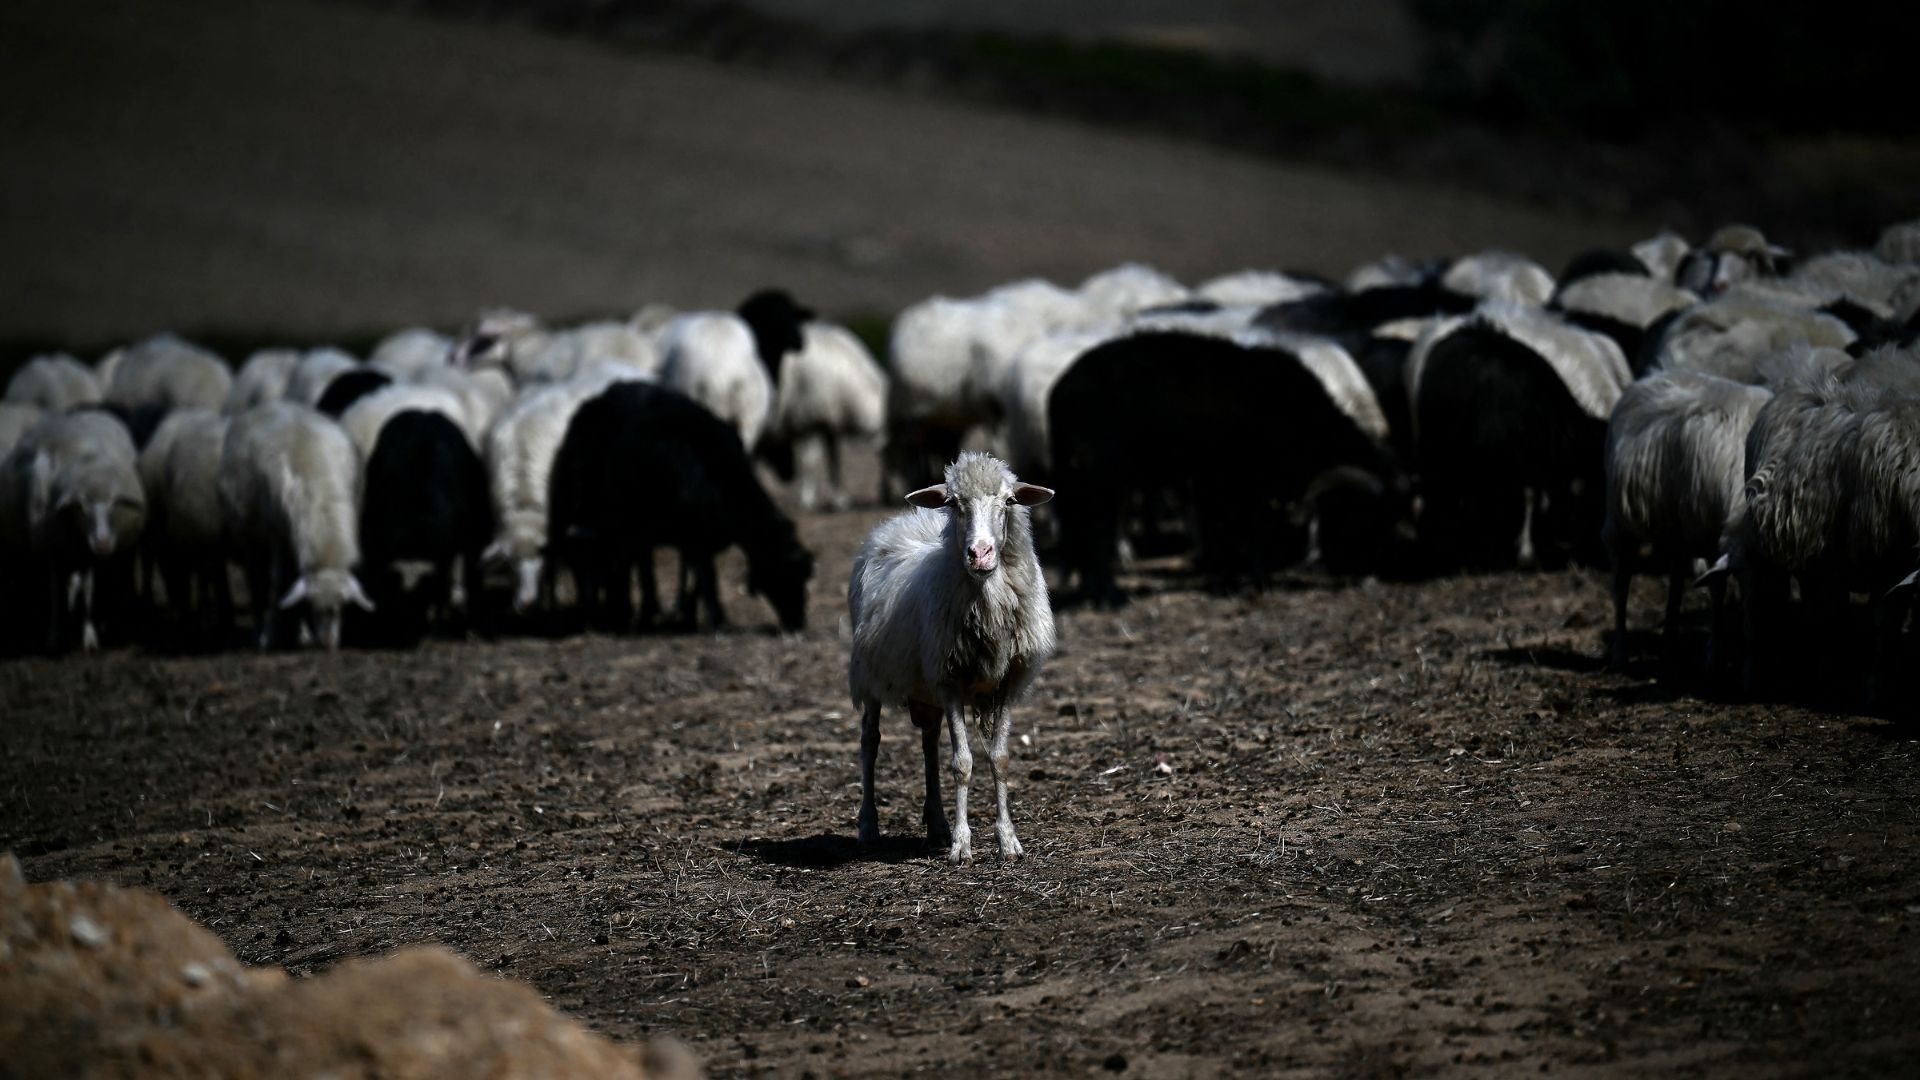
(326,593)
(99,519)
(981,497)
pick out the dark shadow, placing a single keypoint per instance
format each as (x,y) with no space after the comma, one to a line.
(1548,657)
(825,851)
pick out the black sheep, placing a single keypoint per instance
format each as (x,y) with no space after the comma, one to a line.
(348,387)
(425,506)
(643,466)
(1242,434)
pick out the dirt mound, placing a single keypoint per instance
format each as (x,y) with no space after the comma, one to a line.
(100,981)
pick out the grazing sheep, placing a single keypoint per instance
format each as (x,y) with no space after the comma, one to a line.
(644,466)
(530,352)
(406,354)
(482,394)
(950,611)
(1499,275)
(729,362)
(1241,432)
(1734,253)
(348,387)
(186,535)
(1622,306)
(831,388)
(1676,475)
(1729,334)
(289,494)
(167,373)
(261,379)
(56,383)
(369,414)
(1259,288)
(316,369)
(521,447)
(424,520)
(82,510)
(1661,254)
(1024,391)
(1510,410)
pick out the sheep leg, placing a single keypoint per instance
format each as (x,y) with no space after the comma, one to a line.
(708,583)
(649,591)
(1525,556)
(1622,581)
(869,750)
(960,853)
(59,599)
(1670,632)
(933,815)
(1716,634)
(89,637)
(835,486)
(809,462)
(999,759)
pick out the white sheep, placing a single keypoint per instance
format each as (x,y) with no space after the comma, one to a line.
(950,611)
(531,352)
(1499,275)
(406,354)
(482,394)
(1661,253)
(289,497)
(1633,299)
(181,467)
(55,382)
(82,508)
(15,421)
(711,357)
(364,418)
(520,450)
(1258,288)
(1119,291)
(1899,243)
(1676,474)
(166,373)
(1729,334)
(261,379)
(317,367)
(832,388)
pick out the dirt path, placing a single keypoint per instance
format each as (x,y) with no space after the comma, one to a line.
(1398,829)
(323,170)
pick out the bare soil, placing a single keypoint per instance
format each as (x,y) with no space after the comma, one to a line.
(1349,828)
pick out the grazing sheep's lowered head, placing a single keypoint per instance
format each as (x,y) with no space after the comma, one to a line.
(776,321)
(326,592)
(983,494)
(778,572)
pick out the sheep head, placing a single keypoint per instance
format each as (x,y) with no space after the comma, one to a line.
(981,497)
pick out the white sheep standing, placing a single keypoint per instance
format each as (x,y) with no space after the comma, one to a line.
(364,418)
(405,354)
(262,378)
(55,382)
(1499,275)
(1676,474)
(317,367)
(829,389)
(520,450)
(167,373)
(83,507)
(950,610)
(180,468)
(289,491)
(711,357)
(531,352)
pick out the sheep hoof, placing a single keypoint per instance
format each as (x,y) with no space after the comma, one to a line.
(89,638)
(938,834)
(1010,849)
(869,828)
(961,853)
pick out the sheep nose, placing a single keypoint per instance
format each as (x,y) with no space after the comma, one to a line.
(980,555)
(103,546)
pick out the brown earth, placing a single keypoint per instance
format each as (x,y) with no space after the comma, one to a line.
(1329,829)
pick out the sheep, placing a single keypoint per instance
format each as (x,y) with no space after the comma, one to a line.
(828,389)
(532,353)
(1676,475)
(55,382)
(81,509)
(1899,244)
(1622,306)
(950,610)
(1510,410)
(1258,288)
(729,362)
(1734,253)
(316,369)
(520,450)
(261,379)
(482,394)
(697,493)
(364,419)
(186,535)
(347,388)
(405,354)
(1499,275)
(1661,254)
(1241,429)
(168,373)
(424,520)
(1120,291)
(289,492)
(15,421)
(1727,335)
(1024,391)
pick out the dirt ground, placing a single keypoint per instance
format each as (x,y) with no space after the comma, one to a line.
(1347,828)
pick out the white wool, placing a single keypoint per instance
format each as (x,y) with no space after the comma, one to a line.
(1728,335)
(482,394)
(365,418)
(711,358)
(1676,462)
(1122,290)
(189,478)
(1257,288)
(55,382)
(168,373)
(1026,387)
(261,379)
(1880,287)
(1899,243)
(153,457)
(15,421)
(1386,272)
(520,451)
(406,354)
(833,383)
(317,367)
(1499,275)
(1633,299)
(1661,254)
(1590,365)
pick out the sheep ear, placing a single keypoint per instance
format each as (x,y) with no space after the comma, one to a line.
(1031,494)
(495,550)
(294,595)
(358,596)
(933,498)
(1720,568)
(1905,583)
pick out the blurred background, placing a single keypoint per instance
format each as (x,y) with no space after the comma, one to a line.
(246,171)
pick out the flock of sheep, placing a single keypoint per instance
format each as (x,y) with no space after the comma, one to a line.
(1709,412)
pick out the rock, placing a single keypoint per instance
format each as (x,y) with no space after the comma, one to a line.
(99,981)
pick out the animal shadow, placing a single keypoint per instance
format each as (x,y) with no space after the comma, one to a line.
(826,851)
